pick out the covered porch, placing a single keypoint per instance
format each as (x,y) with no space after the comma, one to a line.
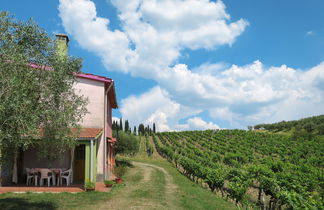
(80,163)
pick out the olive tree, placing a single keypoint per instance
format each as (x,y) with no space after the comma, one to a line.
(36,90)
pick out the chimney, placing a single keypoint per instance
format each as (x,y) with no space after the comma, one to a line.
(62,44)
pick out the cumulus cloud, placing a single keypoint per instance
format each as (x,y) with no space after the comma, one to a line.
(271,94)
(92,33)
(150,39)
(196,123)
(155,106)
(149,44)
(240,95)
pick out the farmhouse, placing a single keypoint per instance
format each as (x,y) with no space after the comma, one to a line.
(93,158)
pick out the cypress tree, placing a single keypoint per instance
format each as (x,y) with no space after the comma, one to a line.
(134,130)
(121,124)
(141,129)
(126,128)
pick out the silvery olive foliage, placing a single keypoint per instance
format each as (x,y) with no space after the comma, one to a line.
(37,101)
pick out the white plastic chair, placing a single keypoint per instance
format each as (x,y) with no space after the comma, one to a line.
(31,176)
(44,175)
(67,176)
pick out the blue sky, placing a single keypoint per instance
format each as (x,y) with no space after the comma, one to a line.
(196,64)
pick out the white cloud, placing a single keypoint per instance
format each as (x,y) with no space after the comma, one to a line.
(272,94)
(196,123)
(155,106)
(92,33)
(150,39)
(149,44)
(240,95)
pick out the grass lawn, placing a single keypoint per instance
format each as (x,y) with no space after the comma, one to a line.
(51,200)
(189,194)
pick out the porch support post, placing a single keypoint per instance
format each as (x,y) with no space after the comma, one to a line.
(91,160)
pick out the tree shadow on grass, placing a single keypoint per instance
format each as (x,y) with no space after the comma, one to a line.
(123,162)
(22,203)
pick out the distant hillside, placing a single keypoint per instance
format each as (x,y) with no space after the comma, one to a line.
(311,124)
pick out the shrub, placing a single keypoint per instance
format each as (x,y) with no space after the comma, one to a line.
(89,185)
(109,182)
(126,143)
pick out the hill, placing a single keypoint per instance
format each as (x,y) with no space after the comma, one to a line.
(313,124)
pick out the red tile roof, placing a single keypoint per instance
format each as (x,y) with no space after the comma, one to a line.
(87,132)
(80,133)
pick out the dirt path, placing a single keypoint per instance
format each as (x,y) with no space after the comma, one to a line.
(171,188)
(148,187)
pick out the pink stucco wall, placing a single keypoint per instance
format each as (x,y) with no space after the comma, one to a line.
(94,91)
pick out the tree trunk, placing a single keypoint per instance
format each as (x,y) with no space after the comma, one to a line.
(15,169)
(262,200)
(222,193)
(71,164)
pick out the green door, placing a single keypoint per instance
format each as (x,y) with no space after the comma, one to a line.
(79,164)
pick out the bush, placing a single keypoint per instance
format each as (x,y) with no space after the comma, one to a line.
(109,182)
(89,185)
(126,143)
